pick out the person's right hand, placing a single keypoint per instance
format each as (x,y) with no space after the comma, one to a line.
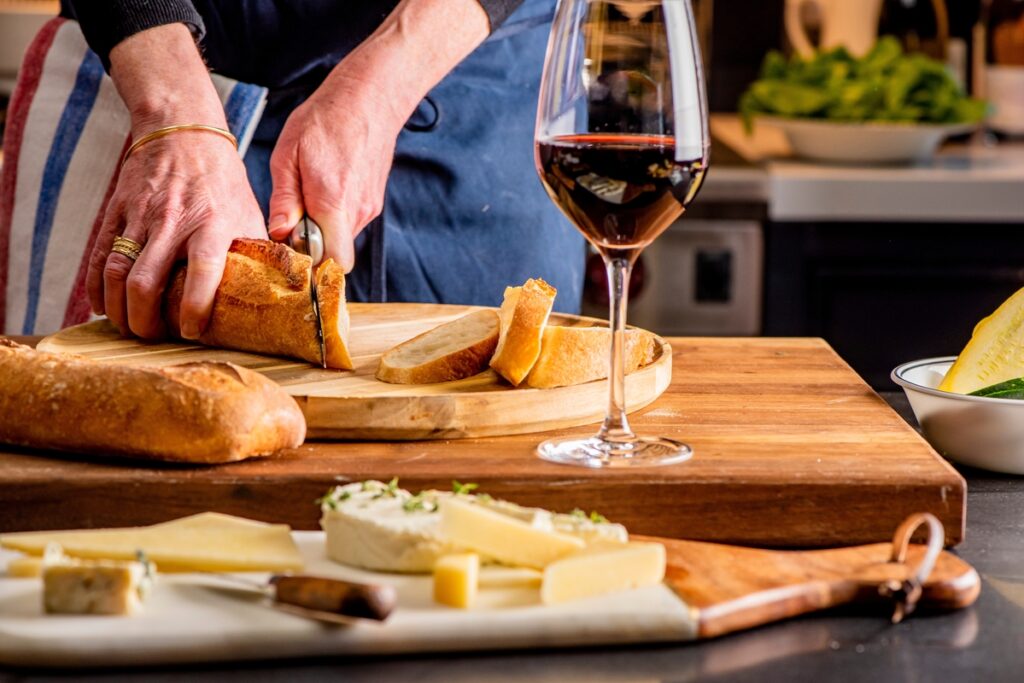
(182,196)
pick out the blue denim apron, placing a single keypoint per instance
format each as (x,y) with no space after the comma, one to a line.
(465,214)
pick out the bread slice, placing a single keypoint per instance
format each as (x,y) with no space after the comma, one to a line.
(194,413)
(454,350)
(263,304)
(574,355)
(524,314)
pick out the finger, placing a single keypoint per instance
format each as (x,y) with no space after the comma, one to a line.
(146,284)
(338,230)
(207,252)
(286,206)
(113,223)
(115,276)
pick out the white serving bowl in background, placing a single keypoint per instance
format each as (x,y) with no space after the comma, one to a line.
(973,430)
(864,143)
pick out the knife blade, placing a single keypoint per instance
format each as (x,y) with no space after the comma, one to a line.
(322,599)
(307,238)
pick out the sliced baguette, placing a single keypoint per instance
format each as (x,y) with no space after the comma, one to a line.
(454,350)
(263,304)
(524,314)
(574,355)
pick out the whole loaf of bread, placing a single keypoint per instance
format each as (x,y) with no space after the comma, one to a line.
(194,412)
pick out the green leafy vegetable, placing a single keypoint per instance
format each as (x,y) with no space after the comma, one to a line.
(884,85)
(1011,388)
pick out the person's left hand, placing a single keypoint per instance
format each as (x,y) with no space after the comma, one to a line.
(333,158)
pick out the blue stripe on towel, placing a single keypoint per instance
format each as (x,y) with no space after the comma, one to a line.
(69,130)
(240,106)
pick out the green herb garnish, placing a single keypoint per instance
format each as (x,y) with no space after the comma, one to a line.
(595,516)
(390,490)
(460,489)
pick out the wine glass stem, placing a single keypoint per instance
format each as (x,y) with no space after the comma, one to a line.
(616,426)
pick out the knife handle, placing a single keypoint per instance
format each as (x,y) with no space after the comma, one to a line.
(364,601)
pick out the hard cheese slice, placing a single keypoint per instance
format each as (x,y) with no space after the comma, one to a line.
(504,538)
(205,542)
(600,570)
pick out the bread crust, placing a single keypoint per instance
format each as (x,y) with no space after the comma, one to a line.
(454,363)
(263,304)
(574,355)
(192,413)
(524,314)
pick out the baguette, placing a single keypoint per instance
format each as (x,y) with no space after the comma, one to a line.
(194,413)
(523,314)
(454,350)
(263,304)
(574,355)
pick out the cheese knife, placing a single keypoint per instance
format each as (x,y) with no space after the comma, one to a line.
(307,238)
(322,599)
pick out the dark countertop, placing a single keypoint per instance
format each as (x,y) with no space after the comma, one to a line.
(982,643)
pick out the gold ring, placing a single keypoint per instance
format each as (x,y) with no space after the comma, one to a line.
(126,247)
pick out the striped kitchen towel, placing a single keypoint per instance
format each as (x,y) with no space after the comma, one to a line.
(67,129)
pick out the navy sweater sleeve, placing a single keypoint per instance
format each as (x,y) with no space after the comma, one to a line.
(105,24)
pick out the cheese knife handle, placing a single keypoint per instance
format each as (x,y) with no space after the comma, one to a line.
(359,600)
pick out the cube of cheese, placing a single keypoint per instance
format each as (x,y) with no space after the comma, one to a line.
(603,569)
(456,578)
(503,538)
(95,587)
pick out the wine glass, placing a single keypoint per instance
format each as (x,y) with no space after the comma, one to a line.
(621,146)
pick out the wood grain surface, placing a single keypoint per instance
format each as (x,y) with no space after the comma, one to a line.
(732,588)
(341,404)
(792,449)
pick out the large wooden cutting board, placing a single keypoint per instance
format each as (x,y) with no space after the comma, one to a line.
(791,448)
(354,405)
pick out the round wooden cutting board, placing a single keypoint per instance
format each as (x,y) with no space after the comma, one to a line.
(354,405)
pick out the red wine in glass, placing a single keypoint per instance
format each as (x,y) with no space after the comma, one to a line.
(621,191)
(621,147)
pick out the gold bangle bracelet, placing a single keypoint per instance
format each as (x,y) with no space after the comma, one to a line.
(167,130)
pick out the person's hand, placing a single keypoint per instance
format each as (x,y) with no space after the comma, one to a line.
(182,196)
(332,161)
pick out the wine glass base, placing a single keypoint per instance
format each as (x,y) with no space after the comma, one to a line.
(595,452)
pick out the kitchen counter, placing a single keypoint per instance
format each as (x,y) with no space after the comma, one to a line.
(981,643)
(971,182)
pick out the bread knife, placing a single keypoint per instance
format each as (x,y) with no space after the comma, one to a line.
(328,600)
(307,238)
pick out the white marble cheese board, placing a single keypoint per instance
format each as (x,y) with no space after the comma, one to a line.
(197,618)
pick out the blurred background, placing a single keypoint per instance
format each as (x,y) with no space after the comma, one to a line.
(823,228)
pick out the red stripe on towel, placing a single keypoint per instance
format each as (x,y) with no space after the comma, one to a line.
(79,309)
(17,114)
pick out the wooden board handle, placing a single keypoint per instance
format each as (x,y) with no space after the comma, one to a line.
(734,588)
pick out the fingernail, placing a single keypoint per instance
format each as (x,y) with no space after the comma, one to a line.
(279,233)
(189,331)
(277,223)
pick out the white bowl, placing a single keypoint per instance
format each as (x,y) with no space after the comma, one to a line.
(872,142)
(973,430)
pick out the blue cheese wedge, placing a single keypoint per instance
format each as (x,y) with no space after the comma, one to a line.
(378,526)
(108,587)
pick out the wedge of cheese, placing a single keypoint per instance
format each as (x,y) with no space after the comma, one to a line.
(106,587)
(502,537)
(205,542)
(603,569)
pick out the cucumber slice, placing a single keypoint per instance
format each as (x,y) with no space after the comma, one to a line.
(1013,388)
(995,352)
